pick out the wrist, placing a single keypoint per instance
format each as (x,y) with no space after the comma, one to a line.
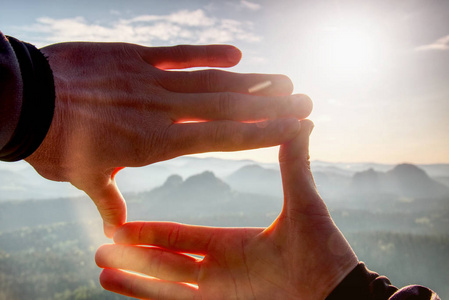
(38,102)
(362,283)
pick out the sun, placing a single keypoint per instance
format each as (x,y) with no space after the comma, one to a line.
(349,50)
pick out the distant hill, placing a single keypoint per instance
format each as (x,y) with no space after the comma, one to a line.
(257,180)
(405,192)
(331,184)
(149,177)
(197,188)
(404,179)
(19,181)
(27,184)
(199,195)
(443,180)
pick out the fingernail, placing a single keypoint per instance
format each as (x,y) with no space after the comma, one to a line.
(108,229)
(307,125)
(311,127)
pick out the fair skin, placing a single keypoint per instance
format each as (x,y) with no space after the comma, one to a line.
(302,255)
(117,105)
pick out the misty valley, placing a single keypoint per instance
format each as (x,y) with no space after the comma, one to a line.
(395,217)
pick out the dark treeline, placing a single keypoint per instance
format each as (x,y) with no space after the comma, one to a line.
(57,261)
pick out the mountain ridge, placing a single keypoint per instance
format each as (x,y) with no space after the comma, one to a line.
(19,181)
(404,179)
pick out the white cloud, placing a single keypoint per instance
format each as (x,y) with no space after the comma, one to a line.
(250,5)
(238,5)
(440,44)
(181,27)
(196,18)
(191,18)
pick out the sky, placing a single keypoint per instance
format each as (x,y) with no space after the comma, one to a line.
(377,71)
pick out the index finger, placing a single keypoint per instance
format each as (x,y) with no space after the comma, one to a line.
(143,287)
(213,80)
(189,56)
(174,236)
(168,235)
(239,107)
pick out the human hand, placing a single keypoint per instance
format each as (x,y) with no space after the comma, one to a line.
(117,106)
(302,255)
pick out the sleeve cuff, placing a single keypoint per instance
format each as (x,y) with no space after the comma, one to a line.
(363,284)
(38,102)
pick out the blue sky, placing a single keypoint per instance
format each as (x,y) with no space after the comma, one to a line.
(378,71)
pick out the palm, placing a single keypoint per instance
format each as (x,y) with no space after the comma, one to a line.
(248,267)
(226,269)
(258,264)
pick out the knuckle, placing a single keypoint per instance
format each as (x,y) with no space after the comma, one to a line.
(109,211)
(120,256)
(154,146)
(284,106)
(173,236)
(180,52)
(225,104)
(209,80)
(226,137)
(270,108)
(153,262)
(219,134)
(275,107)
(158,264)
(140,236)
(134,286)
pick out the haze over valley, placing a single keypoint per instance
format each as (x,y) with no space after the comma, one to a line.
(396,217)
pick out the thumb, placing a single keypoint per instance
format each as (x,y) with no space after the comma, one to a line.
(300,194)
(109,201)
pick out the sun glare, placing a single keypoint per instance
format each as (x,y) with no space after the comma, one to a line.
(349,50)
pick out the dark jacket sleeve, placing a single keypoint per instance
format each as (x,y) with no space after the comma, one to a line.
(11,88)
(362,283)
(27,98)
